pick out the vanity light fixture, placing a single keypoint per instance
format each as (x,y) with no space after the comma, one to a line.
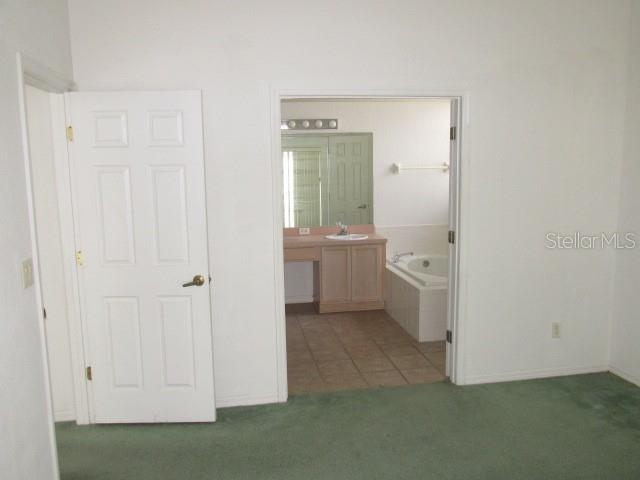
(309,124)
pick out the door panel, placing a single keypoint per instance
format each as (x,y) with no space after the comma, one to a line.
(171,236)
(177,341)
(115,210)
(139,192)
(122,315)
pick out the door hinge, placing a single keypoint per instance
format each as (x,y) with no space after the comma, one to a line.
(69,133)
(79,258)
(449,336)
(89,373)
(452,237)
(44,313)
(452,133)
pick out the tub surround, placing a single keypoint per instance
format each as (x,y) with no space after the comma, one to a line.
(417,299)
(348,274)
(426,270)
(415,238)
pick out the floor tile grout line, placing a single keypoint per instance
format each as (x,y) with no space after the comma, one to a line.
(369,338)
(339,335)
(313,358)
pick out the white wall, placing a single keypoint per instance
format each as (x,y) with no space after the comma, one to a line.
(415,238)
(412,132)
(625,352)
(298,282)
(39,119)
(410,210)
(39,29)
(542,139)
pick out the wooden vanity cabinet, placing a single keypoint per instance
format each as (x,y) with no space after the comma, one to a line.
(351,278)
(347,275)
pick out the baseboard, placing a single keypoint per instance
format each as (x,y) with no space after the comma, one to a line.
(350,306)
(64,416)
(625,376)
(299,299)
(246,400)
(533,374)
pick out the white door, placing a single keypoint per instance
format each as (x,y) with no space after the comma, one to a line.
(137,161)
(453,222)
(350,173)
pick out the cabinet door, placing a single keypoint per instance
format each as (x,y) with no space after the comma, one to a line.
(366,273)
(336,275)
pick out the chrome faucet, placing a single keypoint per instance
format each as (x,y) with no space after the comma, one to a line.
(396,258)
(344,229)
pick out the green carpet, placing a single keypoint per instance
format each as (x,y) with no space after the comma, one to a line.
(580,427)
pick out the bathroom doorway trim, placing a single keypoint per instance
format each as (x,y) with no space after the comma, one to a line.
(460,101)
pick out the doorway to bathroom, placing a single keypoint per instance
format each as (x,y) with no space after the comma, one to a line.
(368,195)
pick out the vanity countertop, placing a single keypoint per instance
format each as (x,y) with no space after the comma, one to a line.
(306,241)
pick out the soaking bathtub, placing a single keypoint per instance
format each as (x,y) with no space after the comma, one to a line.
(416,295)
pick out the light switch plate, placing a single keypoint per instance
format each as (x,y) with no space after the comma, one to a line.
(27,273)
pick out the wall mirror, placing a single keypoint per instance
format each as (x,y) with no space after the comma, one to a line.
(327,178)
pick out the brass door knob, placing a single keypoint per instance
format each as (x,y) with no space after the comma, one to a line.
(197,281)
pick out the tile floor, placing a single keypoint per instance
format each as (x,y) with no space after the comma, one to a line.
(345,351)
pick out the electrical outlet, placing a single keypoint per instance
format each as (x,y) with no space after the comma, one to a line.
(27,273)
(555,330)
(304,231)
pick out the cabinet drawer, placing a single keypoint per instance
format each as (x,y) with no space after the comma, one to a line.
(301,254)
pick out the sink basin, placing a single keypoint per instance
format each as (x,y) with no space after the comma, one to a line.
(351,236)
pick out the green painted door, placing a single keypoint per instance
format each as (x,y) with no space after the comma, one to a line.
(350,179)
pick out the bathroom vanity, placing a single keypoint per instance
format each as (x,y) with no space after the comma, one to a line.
(348,274)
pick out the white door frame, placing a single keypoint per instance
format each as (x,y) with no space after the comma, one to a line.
(34,74)
(277,95)
(30,72)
